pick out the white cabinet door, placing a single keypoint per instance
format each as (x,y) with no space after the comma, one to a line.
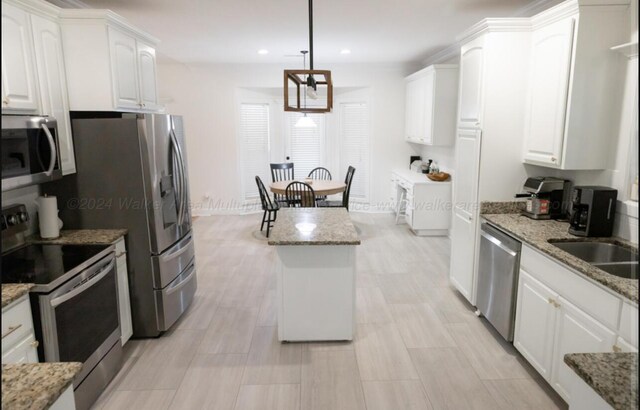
(624,346)
(26,351)
(465,198)
(471,78)
(53,85)
(412,110)
(124,70)
(550,71)
(426,108)
(576,332)
(147,75)
(19,88)
(535,323)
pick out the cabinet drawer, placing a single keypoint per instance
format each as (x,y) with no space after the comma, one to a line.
(588,296)
(629,324)
(25,351)
(16,324)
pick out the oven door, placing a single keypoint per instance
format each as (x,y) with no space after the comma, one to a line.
(30,151)
(80,319)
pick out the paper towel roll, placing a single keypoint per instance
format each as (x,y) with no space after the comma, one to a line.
(48,217)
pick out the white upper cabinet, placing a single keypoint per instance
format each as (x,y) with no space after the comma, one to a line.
(111,65)
(431,105)
(19,83)
(471,78)
(573,103)
(53,84)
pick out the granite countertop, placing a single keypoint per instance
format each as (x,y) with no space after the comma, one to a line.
(537,233)
(14,291)
(35,386)
(614,376)
(313,226)
(82,237)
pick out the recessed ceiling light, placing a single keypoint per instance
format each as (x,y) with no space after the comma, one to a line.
(263,51)
(345,51)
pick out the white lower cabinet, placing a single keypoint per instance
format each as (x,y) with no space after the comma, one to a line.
(124,301)
(19,344)
(576,332)
(559,312)
(535,326)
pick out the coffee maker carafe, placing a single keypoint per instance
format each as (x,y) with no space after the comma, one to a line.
(593,210)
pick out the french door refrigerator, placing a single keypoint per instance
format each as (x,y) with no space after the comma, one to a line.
(132,173)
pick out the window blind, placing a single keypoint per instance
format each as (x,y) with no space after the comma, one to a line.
(305,145)
(354,146)
(254,135)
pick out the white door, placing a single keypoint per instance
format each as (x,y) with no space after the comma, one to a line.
(465,201)
(410,129)
(426,117)
(471,77)
(124,70)
(147,75)
(53,85)
(535,323)
(576,332)
(19,87)
(547,107)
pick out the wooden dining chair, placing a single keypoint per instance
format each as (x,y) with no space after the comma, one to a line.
(345,195)
(281,172)
(300,195)
(320,173)
(270,209)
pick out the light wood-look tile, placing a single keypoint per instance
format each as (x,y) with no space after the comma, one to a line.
(366,280)
(270,361)
(404,394)
(163,364)
(400,288)
(269,397)
(449,380)
(450,306)
(371,306)
(330,381)
(201,311)
(268,315)
(244,290)
(230,331)
(420,326)
(381,353)
(489,354)
(140,400)
(526,394)
(212,382)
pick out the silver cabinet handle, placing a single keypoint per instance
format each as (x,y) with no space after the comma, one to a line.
(183,282)
(75,291)
(52,145)
(11,329)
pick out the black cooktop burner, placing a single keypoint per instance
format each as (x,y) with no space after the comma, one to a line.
(43,264)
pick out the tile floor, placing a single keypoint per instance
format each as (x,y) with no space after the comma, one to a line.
(418,344)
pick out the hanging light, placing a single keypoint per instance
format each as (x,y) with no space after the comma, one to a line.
(305,122)
(309,79)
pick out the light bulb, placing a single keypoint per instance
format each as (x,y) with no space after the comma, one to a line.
(312,93)
(305,122)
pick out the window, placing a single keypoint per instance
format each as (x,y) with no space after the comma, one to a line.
(354,146)
(305,147)
(254,134)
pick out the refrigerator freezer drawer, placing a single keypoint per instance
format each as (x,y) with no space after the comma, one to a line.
(172,301)
(171,262)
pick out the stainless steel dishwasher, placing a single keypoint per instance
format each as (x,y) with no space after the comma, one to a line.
(498,278)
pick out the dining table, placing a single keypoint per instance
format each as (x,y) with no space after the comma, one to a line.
(321,187)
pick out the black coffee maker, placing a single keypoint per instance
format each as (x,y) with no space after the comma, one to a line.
(593,210)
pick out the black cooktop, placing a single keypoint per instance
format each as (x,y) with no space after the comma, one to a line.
(44,264)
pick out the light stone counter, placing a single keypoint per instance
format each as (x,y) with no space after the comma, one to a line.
(313,226)
(14,291)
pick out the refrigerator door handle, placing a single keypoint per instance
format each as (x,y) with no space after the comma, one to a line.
(183,190)
(180,177)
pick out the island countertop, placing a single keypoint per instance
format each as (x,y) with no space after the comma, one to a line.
(313,226)
(35,386)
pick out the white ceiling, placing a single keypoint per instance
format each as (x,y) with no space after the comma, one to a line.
(232,31)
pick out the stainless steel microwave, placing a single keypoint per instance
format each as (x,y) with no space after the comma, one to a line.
(30,151)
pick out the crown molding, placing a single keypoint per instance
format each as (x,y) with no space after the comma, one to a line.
(70,4)
(446,54)
(37,7)
(495,25)
(72,16)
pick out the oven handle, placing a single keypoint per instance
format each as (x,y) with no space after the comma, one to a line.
(54,152)
(77,290)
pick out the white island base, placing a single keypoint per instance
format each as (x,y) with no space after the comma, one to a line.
(316,292)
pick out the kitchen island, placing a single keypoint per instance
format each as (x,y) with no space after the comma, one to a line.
(316,272)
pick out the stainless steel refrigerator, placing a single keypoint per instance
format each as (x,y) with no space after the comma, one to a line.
(132,173)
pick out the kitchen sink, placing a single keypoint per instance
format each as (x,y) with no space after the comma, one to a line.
(610,257)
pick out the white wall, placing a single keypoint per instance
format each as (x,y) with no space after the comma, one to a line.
(206,96)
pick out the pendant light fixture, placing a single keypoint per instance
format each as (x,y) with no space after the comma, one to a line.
(310,79)
(304,121)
